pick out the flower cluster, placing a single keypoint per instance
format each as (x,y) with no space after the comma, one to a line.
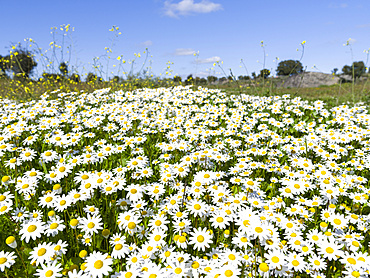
(183,183)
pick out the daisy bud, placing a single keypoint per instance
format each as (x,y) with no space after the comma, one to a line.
(72,267)
(57,188)
(83,266)
(106,233)
(82,254)
(11,242)
(5,179)
(73,223)
(227,233)
(323,226)
(264,267)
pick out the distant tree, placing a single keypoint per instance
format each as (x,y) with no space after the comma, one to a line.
(91,77)
(264,73)
(347,70)
(21,61)
(230,78)
(334,71)
(356,70)
(289,67)
(75,77)
(222,79)
(115,79)
(254,76)
(211,79)
(189,79)
(243,77)
(63,68)
(52,76)
(177,79)
(4,65)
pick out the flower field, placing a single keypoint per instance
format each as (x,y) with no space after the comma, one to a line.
(179,182)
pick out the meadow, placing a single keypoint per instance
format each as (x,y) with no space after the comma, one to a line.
(183,182)
(155,178)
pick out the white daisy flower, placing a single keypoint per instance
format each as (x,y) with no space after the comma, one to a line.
(31,230)
(42,253)
(98,265)
(201,238)
(52,270)
(6,260)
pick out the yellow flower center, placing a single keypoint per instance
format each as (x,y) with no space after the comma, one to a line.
(219,219)
(54,226)
(228,273)
(264,267)
(31,228)
(131,225)
(258,230)
(41,252)
(118,246)
(98,264)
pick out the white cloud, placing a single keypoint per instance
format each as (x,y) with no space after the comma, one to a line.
(188,7)
(184,52)
(202,74)
(147,43)
(336,5)
(363,26)
(210,60)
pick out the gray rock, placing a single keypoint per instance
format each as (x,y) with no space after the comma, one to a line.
(308,80)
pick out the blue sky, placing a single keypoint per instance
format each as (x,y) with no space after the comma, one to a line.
(217,30)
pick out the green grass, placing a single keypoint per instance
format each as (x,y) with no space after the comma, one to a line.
(333,95)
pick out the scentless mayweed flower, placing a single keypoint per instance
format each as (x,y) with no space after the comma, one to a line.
(181,181)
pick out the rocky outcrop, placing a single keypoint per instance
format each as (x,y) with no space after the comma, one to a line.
(308,79)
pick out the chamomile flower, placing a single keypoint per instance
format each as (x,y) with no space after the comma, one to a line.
(120,250)
(51,270)
(330,249)
(54,226)
(7,259)
(98,265)
(42,253)
(91,224)
(31,230)
(200,238)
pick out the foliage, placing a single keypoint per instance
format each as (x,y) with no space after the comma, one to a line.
(211,79)
(177,79)
(63,68)
(356,69)
(289,67)
(189,79)
(243,77)
(264,73)
(75,77)
(21,61)
(93,78)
